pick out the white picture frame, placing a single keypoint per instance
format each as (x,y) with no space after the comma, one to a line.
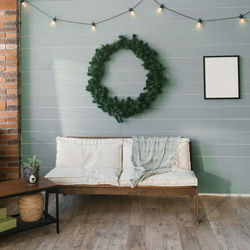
(221,77)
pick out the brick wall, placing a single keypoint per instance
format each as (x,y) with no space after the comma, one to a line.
(9,91)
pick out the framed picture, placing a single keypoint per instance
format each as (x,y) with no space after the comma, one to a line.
(221,77)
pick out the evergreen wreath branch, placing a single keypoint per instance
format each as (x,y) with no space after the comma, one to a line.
(125,108)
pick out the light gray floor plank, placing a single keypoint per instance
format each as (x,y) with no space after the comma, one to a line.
(122,222)
(218,225)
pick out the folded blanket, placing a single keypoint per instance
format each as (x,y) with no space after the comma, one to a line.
(151,156)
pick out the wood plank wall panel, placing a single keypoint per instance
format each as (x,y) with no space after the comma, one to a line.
(54,68)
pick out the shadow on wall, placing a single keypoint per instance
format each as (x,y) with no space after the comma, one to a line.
(208,183)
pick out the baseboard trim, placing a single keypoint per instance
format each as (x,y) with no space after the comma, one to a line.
(229,195)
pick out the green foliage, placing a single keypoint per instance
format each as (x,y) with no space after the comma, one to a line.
(31,162)
(125,108)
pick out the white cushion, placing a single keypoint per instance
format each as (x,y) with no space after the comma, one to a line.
(183,154)
(182,157)
(73,176)
(183,176)
(180,177)
(88,153)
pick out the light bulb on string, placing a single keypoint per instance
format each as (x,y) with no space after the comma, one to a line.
(160,9)
(93,27)
(24,4)
(132,12)
(53,22)
(199,24)
(242,19)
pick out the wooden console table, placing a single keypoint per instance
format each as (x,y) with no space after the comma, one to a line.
(20,187)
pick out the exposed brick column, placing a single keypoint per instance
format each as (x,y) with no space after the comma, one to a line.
(9,91)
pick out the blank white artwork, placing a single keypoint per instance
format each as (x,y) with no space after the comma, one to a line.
(221,77)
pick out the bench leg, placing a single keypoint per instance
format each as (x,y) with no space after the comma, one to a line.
(197,206)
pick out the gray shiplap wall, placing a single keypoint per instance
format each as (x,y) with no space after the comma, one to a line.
(54,66)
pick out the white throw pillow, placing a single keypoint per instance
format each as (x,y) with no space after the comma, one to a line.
(88,153)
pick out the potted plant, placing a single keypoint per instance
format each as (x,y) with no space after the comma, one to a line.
(31,170)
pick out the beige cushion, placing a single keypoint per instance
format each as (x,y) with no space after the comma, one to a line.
(74,176)
(182,158)
(183,176)
(180,177)
(88,153)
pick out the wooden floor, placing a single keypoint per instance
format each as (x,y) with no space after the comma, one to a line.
(110,222)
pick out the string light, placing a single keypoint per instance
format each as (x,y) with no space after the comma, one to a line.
(93,27)
(199,24)
(160,9)
(242,19)
(53,22)
(24,4)
(132,12)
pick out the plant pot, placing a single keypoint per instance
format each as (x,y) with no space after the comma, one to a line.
(31,175)
(31,207)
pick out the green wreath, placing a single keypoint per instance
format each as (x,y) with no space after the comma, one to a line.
(125,108)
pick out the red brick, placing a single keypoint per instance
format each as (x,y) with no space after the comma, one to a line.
(8,63)
(2,79)
(12,153)
(2,105)
(9,91)
(8,4)
(11,35)
(8,86)
(11,46)
(8,29)
(12,102)
(12,91)
(11,107)
(10,137)
(8,41)
(8,18)
(8,147)
(9,113)
(11,69)
(11,12)
(13,142)
(13,176)
(8,125)
(13,164)
(3,163)
(12,119)
(2,131)
(9,58)
(8,158)
(10,169)
(10,23)
(12,131)
(8,52)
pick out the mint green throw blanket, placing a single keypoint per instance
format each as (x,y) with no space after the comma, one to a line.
(151,156)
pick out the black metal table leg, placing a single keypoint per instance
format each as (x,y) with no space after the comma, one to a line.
(57,212)
(46,203)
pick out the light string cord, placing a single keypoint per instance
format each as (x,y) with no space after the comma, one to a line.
(84,23)
(200,19)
